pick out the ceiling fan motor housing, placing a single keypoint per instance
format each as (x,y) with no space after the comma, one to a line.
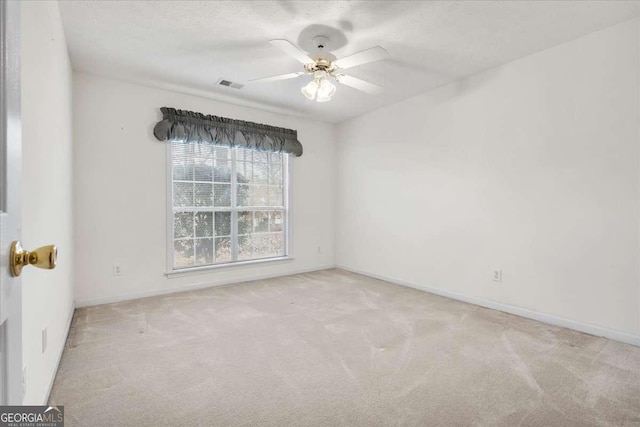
(323,59)
(321,64)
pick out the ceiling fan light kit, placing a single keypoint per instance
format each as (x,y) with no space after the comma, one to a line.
(320,88)
(322,65)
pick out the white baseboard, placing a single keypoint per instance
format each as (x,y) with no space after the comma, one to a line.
(207,284)
(64,344)
(518,311)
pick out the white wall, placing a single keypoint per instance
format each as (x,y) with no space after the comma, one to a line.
(47,215)
(532,168)
(120,191)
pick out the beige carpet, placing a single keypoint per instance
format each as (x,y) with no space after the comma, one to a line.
(333,348)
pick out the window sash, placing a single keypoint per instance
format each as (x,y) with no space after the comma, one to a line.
(234,209)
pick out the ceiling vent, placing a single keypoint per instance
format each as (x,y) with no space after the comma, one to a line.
(229,83)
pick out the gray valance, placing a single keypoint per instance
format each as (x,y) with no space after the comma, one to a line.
(187,126)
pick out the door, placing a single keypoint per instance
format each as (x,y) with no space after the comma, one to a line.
(11,390)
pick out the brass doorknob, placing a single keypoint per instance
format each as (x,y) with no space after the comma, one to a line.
(44,257)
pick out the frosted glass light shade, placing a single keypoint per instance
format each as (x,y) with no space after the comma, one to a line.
(325,91)
(311,89)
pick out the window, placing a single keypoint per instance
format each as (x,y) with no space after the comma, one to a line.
(228,205)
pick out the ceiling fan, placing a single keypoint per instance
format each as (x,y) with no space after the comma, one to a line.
(324,66)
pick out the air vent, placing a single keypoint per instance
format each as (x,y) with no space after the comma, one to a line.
(229,83)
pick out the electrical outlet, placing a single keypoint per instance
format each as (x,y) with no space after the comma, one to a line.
(44,340)
(117,270)
(497,275)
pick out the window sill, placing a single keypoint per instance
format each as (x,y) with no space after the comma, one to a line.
(230,266)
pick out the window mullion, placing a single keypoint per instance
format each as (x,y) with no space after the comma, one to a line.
(234,207)
(193,236)
(286,194)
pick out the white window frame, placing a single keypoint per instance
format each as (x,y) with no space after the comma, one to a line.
(201,269)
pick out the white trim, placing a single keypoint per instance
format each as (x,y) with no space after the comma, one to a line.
(288,230)
(518,311)
(208,284)
(169,207)
(230,265)
(64,345)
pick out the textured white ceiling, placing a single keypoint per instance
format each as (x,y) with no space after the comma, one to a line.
(192,44)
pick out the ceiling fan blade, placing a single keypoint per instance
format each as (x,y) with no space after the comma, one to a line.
(359,84)
(375,53)
(280,77)
(292,50)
